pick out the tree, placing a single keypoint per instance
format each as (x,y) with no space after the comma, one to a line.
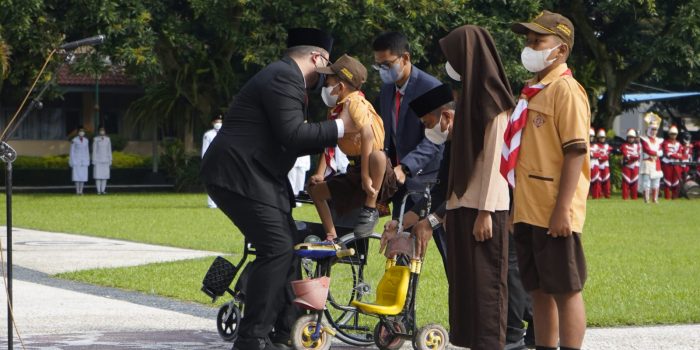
(623,41)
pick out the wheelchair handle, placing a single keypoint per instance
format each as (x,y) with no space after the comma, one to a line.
(345,252)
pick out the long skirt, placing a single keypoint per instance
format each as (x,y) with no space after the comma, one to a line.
(477,273)
(80,173)
(100,171)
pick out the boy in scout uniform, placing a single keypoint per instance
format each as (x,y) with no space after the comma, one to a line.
(552,179)
(369,178)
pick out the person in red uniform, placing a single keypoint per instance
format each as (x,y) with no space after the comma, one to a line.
(630,165)
(687,152)
(604,151)
(669,164)
(594,191)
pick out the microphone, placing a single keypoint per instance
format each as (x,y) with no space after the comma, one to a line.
(93,40)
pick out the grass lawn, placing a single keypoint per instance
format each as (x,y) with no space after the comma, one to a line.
(643,260)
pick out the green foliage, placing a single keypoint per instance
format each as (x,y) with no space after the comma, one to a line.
(120,160)
(45,162)
(128,160)
(615,171)
(118,142)
(181,167)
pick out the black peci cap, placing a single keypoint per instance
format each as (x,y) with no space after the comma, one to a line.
(431,100)
(309,37)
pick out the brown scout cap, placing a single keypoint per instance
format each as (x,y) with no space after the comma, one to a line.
(548,23)
(348,69)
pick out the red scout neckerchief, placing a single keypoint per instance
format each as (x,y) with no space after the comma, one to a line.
(329,153)
(513,133)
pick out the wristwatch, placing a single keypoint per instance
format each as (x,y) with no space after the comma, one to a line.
(406,170)
(434,222)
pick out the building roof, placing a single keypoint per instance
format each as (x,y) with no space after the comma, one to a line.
(642,97)
(113,77)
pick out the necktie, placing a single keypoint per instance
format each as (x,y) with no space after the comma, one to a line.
(397,108)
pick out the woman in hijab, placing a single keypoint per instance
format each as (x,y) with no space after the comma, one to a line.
(477,216)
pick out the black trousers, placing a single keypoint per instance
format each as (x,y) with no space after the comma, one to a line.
(519,304)
(269,296)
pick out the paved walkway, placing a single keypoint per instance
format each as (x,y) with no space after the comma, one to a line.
(58,314)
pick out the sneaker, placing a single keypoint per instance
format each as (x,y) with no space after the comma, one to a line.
(520,345)
(366,221)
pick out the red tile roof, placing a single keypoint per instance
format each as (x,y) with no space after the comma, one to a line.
(113,77)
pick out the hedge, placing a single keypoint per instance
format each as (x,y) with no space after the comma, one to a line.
(120,160)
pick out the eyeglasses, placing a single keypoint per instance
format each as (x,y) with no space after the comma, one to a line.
(385,65)
(327,62)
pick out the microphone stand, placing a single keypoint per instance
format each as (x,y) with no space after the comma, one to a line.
(9,155)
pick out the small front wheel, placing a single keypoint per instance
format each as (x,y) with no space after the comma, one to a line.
(431,337)
(305,336)
(227,321)
(387,340)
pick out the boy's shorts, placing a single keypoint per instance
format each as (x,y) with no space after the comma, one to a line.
(555,265)
(346,189)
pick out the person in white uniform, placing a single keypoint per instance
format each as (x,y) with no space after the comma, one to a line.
(206,141)
(79,160)
(297,176)
(101,160)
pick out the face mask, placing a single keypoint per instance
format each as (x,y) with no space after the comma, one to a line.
(452,73)
(81,133)
(436,135)
(328,99)
(391,75)
(217,126)
(536,61)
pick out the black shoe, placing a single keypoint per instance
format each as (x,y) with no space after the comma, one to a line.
(281,340)
(366,221)
(255,344)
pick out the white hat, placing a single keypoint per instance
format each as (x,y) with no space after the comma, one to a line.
(631,133)
(601,133)
(591,132)
(673,130)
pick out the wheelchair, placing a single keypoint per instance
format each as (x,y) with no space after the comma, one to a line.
(382,312)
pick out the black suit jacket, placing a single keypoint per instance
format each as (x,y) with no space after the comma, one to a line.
(262,135)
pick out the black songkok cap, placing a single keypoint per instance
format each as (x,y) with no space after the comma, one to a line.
(309,37)
(431,100)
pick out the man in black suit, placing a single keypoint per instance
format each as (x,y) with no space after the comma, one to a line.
(245,173)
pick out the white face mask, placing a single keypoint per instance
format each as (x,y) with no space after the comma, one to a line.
(328,99)
(81,133)
(536,61)
(436,135)
(217,126)
(452,73)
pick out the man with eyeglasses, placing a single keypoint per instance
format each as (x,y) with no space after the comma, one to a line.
(245,172)
(414,157)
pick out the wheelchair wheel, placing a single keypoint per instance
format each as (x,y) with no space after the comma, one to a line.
(387,341)
(431,337)
(355,278)
(302,334)
(227,321)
